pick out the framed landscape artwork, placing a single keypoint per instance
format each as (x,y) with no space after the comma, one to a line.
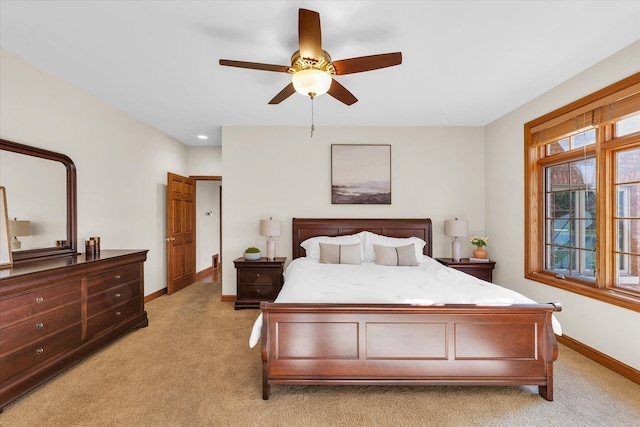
(361,174)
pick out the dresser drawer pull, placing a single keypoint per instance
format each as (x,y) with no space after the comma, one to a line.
(118,295)
(39,300)
(117,277)
(118,313)
(39,350)
(257,274)
(39,325)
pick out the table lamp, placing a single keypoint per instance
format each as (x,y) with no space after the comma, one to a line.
(18,228)
(272,228)
(456,228)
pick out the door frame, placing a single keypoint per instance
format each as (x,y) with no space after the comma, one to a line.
(212,178)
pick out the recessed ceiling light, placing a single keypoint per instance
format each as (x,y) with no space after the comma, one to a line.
(203,137)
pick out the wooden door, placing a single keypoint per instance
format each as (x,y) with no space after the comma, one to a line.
(181,219)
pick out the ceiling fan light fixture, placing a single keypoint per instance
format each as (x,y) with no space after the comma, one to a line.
(311,82)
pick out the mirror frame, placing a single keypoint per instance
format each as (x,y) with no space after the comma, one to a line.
(72,219)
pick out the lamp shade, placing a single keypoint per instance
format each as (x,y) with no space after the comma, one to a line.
(456,228)
(19,227)
(270,227)
(311,82)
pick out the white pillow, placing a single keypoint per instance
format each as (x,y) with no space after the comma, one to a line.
(369,239)
(312,244)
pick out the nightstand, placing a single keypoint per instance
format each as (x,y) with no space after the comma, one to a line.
(256,281)
(480,269)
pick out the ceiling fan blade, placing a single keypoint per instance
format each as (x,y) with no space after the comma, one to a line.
(367,63)
(254,65)
(341,93)
(309,35)
(284,94)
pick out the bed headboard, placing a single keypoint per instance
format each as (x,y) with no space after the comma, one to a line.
(304,228)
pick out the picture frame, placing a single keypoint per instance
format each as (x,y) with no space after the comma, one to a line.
(6,259)
(361,174)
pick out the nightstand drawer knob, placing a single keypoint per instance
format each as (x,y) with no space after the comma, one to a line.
(257,274)
(117,277)
(39,350)
(118,313)
(39,325)
(118,295)
(39,300)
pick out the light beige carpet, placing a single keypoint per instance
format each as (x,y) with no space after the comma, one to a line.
(192,366)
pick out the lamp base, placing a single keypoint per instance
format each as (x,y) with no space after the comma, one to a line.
(16,244)
(455,250)
(271,249)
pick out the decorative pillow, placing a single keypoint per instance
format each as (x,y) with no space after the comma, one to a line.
(369,239)
(398,255)
(340,254)
(312,244)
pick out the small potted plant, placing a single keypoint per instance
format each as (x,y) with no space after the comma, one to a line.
(480,242)
(252,254)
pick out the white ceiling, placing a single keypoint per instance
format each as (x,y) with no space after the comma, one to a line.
(465,63)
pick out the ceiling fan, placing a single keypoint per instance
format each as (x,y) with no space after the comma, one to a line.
(311,67)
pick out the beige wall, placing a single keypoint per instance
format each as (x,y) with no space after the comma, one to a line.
(436,172)
(121,163)
(609,329)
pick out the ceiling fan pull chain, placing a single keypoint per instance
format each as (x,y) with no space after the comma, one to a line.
(312,126)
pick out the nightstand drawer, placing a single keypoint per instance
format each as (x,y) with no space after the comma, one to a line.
(482,270)
(259,276)
(258,292)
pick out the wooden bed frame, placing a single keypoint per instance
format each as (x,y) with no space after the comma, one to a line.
(398,344)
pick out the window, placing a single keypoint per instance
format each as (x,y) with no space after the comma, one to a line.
(582,213)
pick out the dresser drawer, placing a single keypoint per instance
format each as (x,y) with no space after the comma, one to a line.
(39,352)
(258,292)
(113,278)
(111,317)
(112,297)
(20,307)
(39,326)
(259,276)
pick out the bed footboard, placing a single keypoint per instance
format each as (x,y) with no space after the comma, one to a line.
(406,344)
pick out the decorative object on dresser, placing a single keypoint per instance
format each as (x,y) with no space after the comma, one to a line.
(480,243)
(56,311)
(258,280)
(271,228)
(456,228)
(251,254)
(482,269)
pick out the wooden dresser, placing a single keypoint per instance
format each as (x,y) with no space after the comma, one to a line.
(55,312)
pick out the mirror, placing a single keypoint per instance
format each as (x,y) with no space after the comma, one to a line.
(40,188)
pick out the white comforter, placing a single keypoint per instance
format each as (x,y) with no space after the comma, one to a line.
(308,281)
